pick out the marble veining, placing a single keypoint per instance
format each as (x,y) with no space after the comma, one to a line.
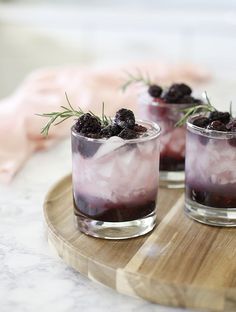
(32,277)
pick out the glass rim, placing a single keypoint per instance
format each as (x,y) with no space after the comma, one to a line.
(207,132)
(154,125)
(170,105)
(158,102)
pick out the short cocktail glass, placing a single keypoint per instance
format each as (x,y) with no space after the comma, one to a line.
(115,183)
(210,175)
(172,150)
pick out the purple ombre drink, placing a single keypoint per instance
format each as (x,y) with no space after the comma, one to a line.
(172,150)
(115,183)
(210,171)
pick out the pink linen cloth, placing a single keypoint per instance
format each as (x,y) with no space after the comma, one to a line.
(44,91)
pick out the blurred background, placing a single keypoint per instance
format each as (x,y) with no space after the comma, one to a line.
(41,33)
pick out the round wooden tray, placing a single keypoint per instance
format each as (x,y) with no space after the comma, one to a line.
(181,263)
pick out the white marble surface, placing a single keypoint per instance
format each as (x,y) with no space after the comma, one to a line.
(32,278)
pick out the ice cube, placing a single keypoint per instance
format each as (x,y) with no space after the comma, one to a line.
(128,157)
(224,177)
(109,146)
(105,170)
(146,174)
(146,148)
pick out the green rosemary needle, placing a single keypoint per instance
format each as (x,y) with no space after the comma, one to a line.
(55,118)
(203,108)
(136,78)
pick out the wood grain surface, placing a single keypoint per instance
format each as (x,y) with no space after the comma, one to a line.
(181,263)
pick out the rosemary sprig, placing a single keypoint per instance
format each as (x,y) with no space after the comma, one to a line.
(105,120)
(66,113)
(208,107)
(136,78)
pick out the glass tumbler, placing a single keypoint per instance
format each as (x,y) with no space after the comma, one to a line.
(115,183)
(172,150)
(210,176)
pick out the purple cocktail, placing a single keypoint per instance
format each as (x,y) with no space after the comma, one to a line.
(211,170)
(115,180)
(166,108)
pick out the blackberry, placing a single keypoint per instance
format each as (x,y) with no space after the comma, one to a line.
(93,135)
(139,128)
(221,116)
(185,89)
(186,99)
(172,96)
(231,126)
(128,134)
(203,139)
(87,124)
(217,125)
(155,91)
(85,147)
(201,122)
(176,92)
(111,130)
(125,118)
(197,101)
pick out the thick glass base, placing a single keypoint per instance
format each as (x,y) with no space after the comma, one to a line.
(116,230)
(172,179)
(210,215)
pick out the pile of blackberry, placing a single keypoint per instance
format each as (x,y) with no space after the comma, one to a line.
(123,126)
(219,121)
(177,93)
